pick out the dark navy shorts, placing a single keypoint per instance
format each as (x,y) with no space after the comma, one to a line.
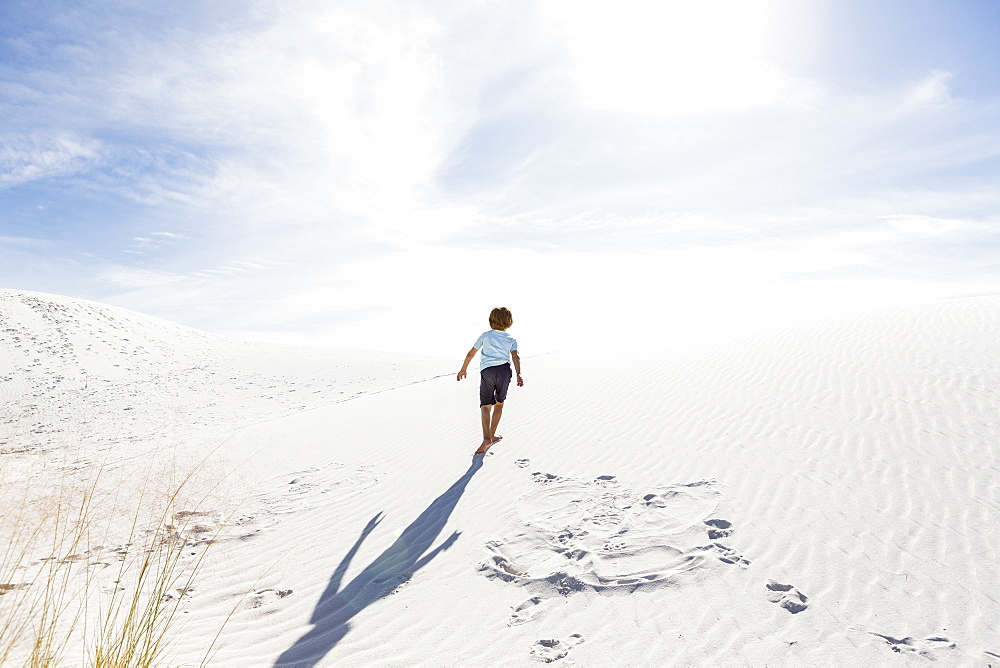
(493,384)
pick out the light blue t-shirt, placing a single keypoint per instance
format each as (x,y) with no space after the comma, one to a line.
(494,348)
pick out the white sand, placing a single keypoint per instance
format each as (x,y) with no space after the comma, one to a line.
(825,494)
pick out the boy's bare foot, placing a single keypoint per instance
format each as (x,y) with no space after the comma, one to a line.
(484,447)
(497,438)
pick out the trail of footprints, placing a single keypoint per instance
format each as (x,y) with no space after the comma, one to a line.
(573,534)
(569,535)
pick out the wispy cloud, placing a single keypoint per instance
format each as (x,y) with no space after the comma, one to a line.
(36,156)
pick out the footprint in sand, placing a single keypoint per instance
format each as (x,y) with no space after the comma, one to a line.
(527,611)
(719,528)
(927,648)
(728,555)
(523,463)
(568,535)
(787,596)
(265,597)
(553,650)
(317,486)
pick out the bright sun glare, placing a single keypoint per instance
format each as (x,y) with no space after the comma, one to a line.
(671,57)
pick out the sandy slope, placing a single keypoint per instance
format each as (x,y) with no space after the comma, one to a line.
(825,494)
(88,388)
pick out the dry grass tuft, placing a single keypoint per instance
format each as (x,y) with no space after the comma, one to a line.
(64,590)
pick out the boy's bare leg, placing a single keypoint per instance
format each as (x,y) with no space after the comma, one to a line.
(484,412)
(497,412)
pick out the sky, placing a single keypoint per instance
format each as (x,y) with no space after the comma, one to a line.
(381,174)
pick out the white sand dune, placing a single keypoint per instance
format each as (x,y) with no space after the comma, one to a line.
(822,494)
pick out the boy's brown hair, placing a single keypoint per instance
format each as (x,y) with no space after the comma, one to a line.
(500,318)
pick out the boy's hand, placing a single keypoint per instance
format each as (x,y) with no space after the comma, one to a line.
(468,358)
(520,381)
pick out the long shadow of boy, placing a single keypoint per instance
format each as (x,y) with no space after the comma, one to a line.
(389,570)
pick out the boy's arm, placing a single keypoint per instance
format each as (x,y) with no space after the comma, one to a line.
(465,365)
(517,367)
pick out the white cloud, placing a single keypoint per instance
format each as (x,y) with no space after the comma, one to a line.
(131,278)
(36,156)
(320,110)
(932,91)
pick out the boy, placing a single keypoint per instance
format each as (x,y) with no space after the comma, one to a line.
(498,348)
